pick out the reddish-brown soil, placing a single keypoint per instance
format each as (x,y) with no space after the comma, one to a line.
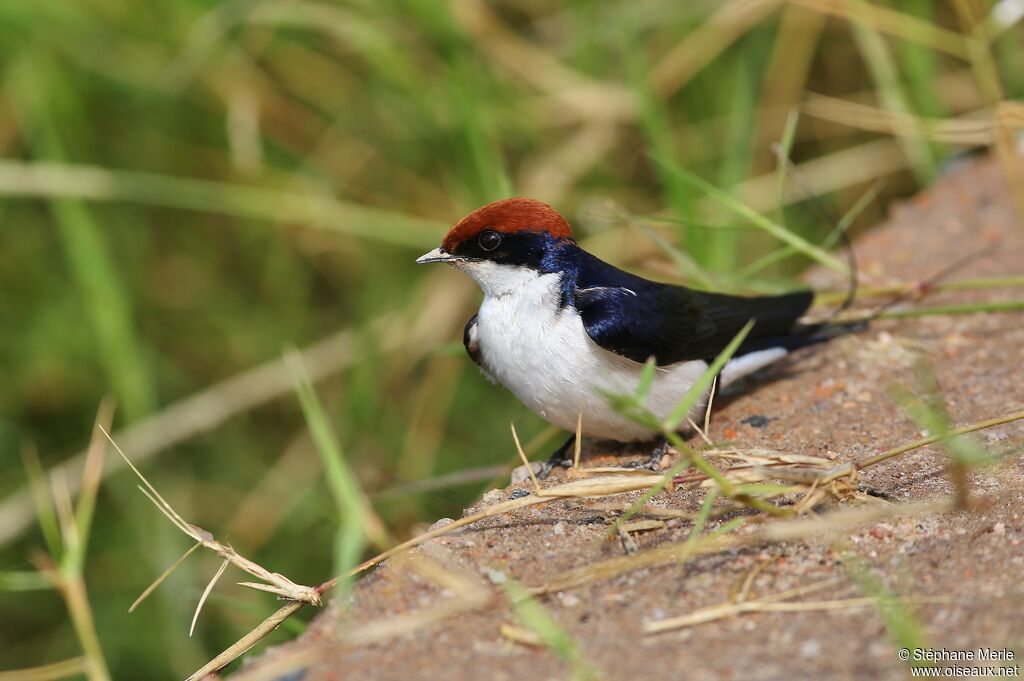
(829,401)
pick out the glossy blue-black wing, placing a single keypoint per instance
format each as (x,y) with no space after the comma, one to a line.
(638,319)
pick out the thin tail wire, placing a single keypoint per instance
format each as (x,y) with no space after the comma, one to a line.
(922,287)
(925,287)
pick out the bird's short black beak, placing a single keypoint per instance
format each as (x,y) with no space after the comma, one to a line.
(436,255)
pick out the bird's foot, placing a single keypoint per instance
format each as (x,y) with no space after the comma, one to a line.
(654,463)
(559,459)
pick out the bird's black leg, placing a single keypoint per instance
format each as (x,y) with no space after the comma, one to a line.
(560,457)
(654,463)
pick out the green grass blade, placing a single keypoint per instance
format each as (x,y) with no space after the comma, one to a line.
(350,539)
(784,153)
(892,96)
(23,580)
(655,489)
(534,617)
(702,517)
(269,203)
(843,225)
(105,297)
(46,514)
(953,309)
(755,218)
(902,625)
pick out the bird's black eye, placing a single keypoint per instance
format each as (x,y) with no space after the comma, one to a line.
(489,240)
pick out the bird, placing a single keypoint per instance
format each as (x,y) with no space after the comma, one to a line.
(562,329)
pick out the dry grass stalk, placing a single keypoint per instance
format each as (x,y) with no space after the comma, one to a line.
(642,525)
(577,445)
(654,511)
(842,169)
(1009,118)
(275,583)
(526,462)
(698,49)
(767,532)
(734,605)
(164,575)
(206,594)
(521,635)
(742,589)
(600,486)
(237,649)
(76,666)
(717,612)
(469,593)
(917,444)
(895,23)
(550,174)
(583,96)
(967,131)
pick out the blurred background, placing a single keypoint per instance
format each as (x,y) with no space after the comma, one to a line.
(188,189)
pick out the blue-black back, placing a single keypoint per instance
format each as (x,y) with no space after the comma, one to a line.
(638,318)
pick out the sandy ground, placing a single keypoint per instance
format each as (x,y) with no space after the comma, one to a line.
(830,402)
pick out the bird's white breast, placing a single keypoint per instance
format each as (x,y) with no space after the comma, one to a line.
(542,353)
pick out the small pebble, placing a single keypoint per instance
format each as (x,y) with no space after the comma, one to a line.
(810,648)
(521,474)
(296,675)
(559,528)
(519,494)
(881,531)
(756,421)
(441,523)
(570,600)
(496,576)
(492,497)
(999,528)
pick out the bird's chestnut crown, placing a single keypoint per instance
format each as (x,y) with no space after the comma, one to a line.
(511,230)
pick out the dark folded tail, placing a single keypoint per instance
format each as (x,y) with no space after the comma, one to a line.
(802,335)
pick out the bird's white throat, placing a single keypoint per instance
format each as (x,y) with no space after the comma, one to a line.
(498,280)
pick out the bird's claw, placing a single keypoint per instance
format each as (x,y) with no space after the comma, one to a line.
(560,457)
(545,471)
(550,465)
(654,463)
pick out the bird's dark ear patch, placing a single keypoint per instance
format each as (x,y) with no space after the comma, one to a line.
(471,340)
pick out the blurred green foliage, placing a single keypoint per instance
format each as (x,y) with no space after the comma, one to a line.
(190,187)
